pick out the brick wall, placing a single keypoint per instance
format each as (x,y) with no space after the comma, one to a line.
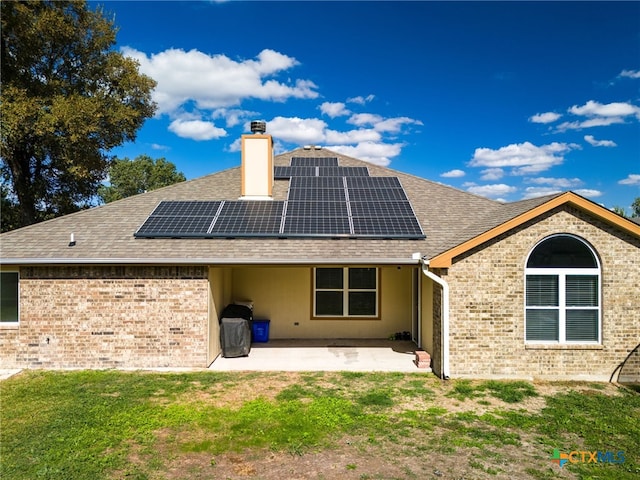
(487,304)
(103,317)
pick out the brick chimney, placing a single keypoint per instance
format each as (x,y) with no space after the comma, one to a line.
(257,164)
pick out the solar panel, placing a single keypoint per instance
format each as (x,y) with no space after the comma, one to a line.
(317,226)
(387,227)
(381,209)
(317,209)
(285,172)
(380,195)
(314,161)
(174,227)
(317,195)
(179,219)
(373,182)
(249,217)
(316,182)
(343,171)
(188,208)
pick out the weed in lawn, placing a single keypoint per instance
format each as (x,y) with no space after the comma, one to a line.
(463,390)
(376,398)
(510,392)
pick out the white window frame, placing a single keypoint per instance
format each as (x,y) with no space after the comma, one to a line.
(345,294)
(562,274)
(17,322)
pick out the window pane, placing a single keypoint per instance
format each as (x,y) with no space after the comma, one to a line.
(562,251)
(329,303)
(362,303)
(582,325)
(329,278)
(582,290)
(362,278)
(542,325)
(9,297)
(542,290)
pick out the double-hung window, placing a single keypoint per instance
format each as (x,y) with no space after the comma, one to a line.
(9,298)
(345,292)
(562,299)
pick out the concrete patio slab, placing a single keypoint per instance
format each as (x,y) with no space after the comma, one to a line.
(326,355)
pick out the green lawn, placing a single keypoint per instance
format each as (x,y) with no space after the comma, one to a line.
(112,425)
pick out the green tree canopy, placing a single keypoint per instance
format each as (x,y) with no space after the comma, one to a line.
(67,99)
(142,174)
(635,207)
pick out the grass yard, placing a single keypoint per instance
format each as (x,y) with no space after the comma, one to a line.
(322,425)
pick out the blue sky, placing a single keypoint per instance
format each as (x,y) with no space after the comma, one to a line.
(508,100)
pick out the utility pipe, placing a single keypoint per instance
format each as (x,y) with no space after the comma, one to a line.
(444,334)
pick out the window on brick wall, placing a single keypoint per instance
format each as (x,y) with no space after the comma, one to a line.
(9,297)
(345,292)
(562,292)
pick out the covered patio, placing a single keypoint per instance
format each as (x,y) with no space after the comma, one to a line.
(356,355)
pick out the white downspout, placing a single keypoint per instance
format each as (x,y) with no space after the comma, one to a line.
(445,316)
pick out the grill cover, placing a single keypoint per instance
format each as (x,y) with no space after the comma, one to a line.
(235,337)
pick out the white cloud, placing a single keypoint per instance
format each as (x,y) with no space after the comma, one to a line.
(492,174)
(361,119)
(492,191)
(352,136)
(616,109)
(361,100)
(157,146)
(632,179)
(381,124)
(630,73)
(372,152)
(196,129)
(453,174)
(525,158)
(592,122)
(303,131)
(334,109)
(599,115)
(587,192)
(233,116)
(556,182)
(534,192)
(216,81)
(547,117)
(599,143)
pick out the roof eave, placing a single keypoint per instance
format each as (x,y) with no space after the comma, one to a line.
(445,259)
(206,261)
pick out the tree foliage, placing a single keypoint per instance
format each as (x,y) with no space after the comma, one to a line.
(635,207)
(67,99)
(142,174)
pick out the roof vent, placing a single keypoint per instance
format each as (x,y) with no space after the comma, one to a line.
(258,126)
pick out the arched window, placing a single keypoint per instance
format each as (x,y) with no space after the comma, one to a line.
(562,297)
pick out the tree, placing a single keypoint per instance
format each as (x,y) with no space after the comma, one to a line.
(142,174)
(635,207)
(67,99)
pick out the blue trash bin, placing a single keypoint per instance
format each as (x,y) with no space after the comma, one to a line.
(261,330)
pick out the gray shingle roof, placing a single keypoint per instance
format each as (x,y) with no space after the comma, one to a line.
(105,234)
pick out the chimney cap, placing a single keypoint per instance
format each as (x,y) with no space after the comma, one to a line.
(258,126)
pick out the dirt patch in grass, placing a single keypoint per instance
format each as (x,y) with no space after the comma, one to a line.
(426,448)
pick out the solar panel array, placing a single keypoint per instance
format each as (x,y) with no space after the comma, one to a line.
(323,200)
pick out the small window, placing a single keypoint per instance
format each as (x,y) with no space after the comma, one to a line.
(345,292)
(562,299)
(9,297)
